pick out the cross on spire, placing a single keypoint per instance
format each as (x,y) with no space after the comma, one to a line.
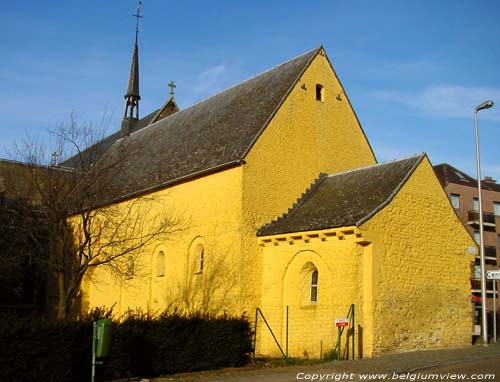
(132,96)
(138,16)
(172,87)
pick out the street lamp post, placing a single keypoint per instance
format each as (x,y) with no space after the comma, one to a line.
(484,321)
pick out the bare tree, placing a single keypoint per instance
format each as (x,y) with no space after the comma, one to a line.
(85,230)
(209,291)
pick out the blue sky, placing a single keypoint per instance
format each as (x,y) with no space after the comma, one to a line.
(413,70)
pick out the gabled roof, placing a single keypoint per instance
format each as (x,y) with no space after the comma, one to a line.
(94,152)
(20,180)
(170,107)
(345,199)
(447,174)
(212,134)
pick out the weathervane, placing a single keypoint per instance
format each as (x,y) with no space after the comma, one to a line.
(138,16)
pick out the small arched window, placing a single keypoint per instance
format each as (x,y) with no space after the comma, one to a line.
(200,257)
(160,264)
(320,93)
(314,286)
(129,272)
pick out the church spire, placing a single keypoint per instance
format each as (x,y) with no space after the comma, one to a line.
(132,96)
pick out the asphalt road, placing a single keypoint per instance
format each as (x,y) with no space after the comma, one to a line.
(478,370)
(485,367)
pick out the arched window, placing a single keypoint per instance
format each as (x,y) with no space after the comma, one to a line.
(160,264)
(309,278)
(320,93)
(129,272)
(200,257)
(314,286)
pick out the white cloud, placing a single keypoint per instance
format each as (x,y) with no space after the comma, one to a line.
(210,80)
(446,100)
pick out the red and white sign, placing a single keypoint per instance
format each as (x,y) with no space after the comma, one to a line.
(341,322)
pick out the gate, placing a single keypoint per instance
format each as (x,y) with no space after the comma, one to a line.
(259,312)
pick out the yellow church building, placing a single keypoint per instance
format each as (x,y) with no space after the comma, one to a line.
(286,210)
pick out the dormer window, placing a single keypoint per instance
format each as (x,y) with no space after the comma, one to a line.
(320,93)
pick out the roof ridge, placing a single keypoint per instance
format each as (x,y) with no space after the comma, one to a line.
(280,103)
(376,165)
(396,190)
(348,200)
(37,165)
(238,84)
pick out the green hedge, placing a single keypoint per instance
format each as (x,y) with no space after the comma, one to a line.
(35,350)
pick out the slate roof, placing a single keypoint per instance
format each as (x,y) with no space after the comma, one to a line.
(345,199)
(93,153)
(17,179)
(213,134)
(447,174)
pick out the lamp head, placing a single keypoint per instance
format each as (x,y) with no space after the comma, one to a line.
(485,105)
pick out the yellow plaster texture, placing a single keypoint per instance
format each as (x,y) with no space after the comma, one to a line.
(421,270)
(287,269)
(305,137)
(209,213)
(406,269)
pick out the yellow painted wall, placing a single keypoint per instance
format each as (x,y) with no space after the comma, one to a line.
(406,270)
(305,138)
(209,211)
(421,270)
(288,261)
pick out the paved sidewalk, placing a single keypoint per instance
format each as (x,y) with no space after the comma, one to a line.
(395,363)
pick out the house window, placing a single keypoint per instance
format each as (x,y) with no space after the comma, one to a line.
(477,272)
(314,286)
(498,241)
(477,237)
(475,204)
(496,208)
(160,264)
(455,201)
(129,272)
(320,93)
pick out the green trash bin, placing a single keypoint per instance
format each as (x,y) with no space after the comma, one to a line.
(104,334)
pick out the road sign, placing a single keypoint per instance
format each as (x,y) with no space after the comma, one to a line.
(493,275)
(341,322)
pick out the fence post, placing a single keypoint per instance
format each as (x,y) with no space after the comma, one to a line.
(286,355)
(353,332)
(255,331)
(257,311)
(339,342)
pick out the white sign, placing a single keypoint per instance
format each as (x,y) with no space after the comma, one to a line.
(340,322)
(477,330)
(493,275)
